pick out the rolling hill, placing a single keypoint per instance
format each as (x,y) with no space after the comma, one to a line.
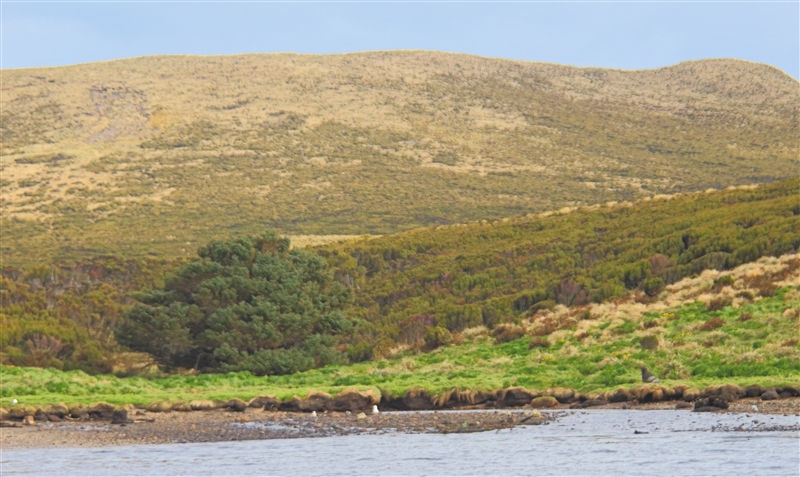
(156,155)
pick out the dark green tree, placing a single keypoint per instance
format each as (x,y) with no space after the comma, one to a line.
(248,303)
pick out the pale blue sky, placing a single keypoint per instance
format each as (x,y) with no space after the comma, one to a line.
(617,35)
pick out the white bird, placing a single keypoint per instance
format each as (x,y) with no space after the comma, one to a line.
(754,408)
(375,409)
(313,413)
(14,402)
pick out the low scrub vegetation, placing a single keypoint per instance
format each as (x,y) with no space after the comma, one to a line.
(491,274)
(412,292)
(762,350)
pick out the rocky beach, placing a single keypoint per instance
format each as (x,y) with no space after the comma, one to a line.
(222,424)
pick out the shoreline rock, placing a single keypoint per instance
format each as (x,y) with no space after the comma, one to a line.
(138,426)
(712,398)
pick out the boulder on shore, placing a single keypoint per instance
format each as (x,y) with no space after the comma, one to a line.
(648,393)
(753,391)
(731,392)
(794,391)
(589,403)
(102,407)
(236,405)
(78,411)
(544,402)
(770,395)
(267,403)
(677,391)
(691,394)
(19,412)
(562,395)
(710,404)
(316,401)
(515,396)
(202,405)
(480,397)
(620,395)
(417,400)
(120,416)
(181,406)
(101,411)
(292,405)
(40,415)
(59,410)
(159,406)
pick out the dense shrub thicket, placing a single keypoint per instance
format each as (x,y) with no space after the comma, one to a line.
(489,273)
(248,304)
(64,316)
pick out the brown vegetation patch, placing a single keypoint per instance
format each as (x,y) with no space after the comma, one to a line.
(745,317)
(650,324)
(711,324)
(746,294)
(507,332)
(719,303)
(539,343)
(649,342)
(767,290)
(544,329)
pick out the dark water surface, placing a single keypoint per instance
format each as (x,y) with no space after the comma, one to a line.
(579,443)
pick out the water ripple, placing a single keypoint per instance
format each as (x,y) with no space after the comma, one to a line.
(580,443)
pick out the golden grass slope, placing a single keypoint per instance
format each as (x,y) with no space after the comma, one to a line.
(118,156)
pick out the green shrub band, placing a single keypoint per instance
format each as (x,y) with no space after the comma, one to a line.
(712,398)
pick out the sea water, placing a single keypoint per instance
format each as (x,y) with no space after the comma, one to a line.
(601,442)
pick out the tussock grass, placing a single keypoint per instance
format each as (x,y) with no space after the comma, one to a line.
(742,352)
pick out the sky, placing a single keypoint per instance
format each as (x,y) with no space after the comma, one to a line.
(628,35)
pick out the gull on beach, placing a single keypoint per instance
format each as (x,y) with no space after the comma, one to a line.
(375,409)
(313,413)
(754,408)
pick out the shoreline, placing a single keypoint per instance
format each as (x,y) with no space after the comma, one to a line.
(220,425)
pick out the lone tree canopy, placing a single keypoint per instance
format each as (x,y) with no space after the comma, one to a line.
(247,304)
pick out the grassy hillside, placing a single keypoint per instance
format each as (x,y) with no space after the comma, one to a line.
(457,277)
(156,155)
(416,290)
(709,330)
